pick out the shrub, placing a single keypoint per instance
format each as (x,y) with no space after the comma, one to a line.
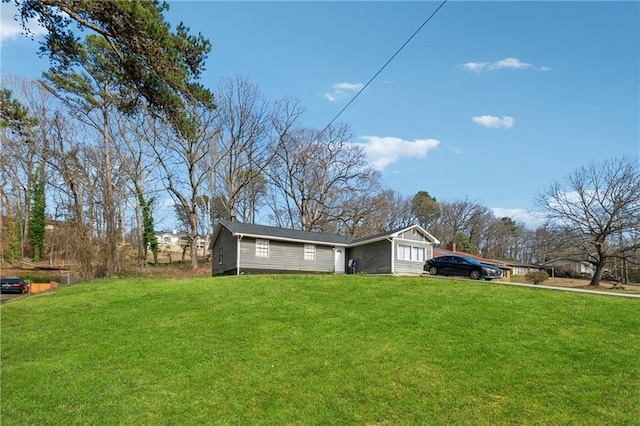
(566,272)
(537,277)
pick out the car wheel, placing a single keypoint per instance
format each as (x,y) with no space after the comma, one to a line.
(433,270)
(475,275)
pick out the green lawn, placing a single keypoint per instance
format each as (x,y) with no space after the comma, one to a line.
(323,350)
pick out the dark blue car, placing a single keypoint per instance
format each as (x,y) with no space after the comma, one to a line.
(12,285)
(462,266)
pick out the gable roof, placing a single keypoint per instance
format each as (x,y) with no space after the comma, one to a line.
(566,259)
(394,234)
(284,234)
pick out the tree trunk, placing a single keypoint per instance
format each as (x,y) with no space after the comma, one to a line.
(108,210)
(193,221)
(597,275)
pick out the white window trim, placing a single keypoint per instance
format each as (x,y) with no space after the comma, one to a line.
(413,251)
(262,246)
(309,252)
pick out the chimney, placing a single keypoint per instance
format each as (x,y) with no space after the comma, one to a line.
(451,246)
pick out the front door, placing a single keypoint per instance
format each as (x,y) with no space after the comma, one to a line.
(339,261)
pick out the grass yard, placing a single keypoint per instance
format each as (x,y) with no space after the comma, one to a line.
(325,350)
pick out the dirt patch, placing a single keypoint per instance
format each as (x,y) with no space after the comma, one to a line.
(584,284)
(46,273)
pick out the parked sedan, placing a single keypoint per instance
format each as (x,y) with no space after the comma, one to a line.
(12,285)
(462,266)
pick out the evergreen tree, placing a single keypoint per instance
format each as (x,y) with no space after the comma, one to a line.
(149,239)
(157,64)
(37,219)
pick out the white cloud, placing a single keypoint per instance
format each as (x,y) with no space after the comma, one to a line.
(512,63)
(11,29)
(505,122)
(457,150)
(506,63)
(382,151)
(354,87)
(531,220)
(474,66)
(342,90)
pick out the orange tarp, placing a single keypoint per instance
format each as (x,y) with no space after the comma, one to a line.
(38,287)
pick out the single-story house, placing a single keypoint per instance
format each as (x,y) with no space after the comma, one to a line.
(243,248)
(519,268)
(576,266)
(174,242)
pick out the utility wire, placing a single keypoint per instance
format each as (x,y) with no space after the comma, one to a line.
(383,67)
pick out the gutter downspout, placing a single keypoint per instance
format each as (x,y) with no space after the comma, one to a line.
(393,256)
(238,254)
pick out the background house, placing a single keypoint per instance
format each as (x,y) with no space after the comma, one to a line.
(569,267)
(171,244)
(519,268)
(238,248)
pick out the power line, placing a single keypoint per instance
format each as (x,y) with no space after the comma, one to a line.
(383,67)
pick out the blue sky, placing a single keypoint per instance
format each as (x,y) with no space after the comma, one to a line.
(490,101)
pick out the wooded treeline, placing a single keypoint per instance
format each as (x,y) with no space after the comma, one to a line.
(251,159)
(120,123)
(102,175)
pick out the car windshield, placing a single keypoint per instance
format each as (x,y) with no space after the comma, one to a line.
(472,261)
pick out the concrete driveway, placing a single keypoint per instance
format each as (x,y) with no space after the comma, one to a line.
(8,296)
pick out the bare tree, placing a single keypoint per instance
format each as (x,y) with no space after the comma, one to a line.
(242,150)
(503,239)
(24,151)
(90,91)
(74,193)
(599,207)
(137,171)
(184,163)
(314,174)
(464,223)
(370,213)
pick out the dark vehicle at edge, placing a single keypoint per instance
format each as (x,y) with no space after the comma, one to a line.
(12,285)
(461,266)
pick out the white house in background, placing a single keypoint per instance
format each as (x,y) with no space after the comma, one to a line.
(168,238)
(174,241)
(577,266)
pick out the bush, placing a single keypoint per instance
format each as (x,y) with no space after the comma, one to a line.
(566,272)
(537,277)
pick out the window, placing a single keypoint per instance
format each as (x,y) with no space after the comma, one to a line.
(309,252)
(220,255)
(404,252)
(415,254)
(262,248)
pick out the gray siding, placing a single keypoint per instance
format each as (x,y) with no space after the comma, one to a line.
(410,266)
(413,235)
(375,255)
(228,243)
(374,258)
(285,256)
